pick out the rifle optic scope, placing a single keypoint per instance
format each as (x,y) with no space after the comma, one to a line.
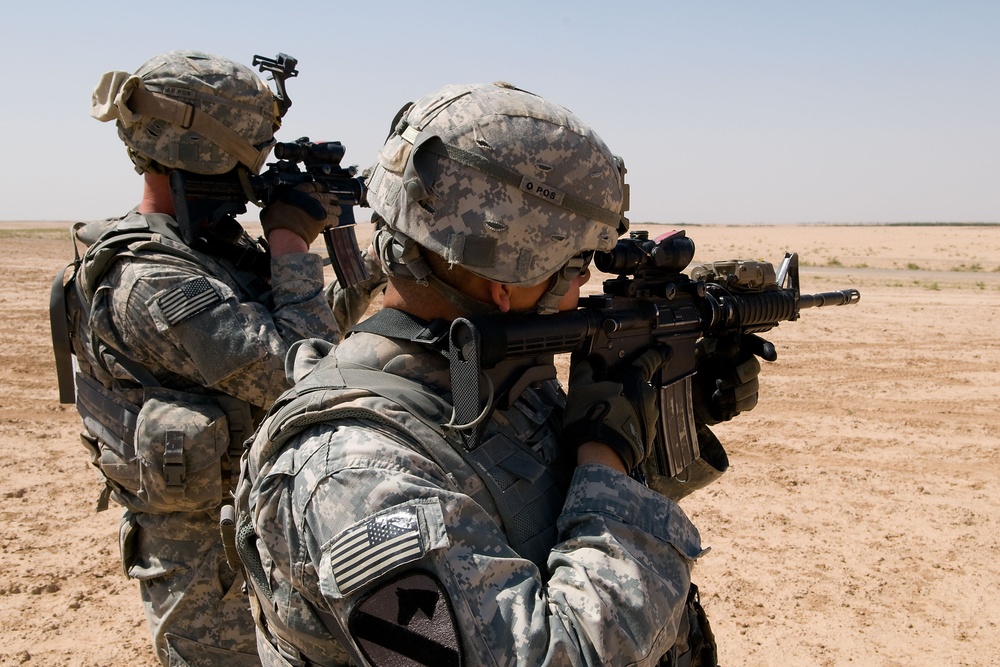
(303,150)
(668,253)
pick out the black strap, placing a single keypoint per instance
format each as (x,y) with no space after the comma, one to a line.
(61,345)
(392,323)
(140,373)
(467,406)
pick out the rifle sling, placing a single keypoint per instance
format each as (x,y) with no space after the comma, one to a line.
(392,323)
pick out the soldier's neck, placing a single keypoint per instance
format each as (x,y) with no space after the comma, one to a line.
(421,301)
(156,197)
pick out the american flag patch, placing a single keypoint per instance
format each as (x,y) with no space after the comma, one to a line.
(192,297)
(374,547)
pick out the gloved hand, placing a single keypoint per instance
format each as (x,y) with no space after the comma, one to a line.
(305,210)
(621,415)
(725,383)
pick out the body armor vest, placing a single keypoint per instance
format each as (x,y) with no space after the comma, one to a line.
(513,480)
(129,418)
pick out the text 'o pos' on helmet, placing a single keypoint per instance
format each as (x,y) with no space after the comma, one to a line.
(499,181)
(190,110)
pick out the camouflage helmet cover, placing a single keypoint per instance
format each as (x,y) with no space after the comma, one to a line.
(228,94)
(500,181)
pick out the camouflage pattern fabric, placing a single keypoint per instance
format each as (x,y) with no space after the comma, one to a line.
(200,328)
(225,91)
(609,589)
(196,328)
(195,604)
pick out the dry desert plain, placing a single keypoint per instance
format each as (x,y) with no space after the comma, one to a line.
(858,523)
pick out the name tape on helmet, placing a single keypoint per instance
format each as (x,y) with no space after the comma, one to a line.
(546,192)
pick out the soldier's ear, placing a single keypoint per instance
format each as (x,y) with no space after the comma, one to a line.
(500,295)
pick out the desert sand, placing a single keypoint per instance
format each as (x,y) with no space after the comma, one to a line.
(858,523)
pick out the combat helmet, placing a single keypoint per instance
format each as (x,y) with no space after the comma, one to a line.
(499,181)
(190,110)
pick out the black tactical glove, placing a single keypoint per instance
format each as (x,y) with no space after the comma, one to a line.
(725,383)
(621,415)
(305,210)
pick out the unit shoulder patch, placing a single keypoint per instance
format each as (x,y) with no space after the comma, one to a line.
(408,621)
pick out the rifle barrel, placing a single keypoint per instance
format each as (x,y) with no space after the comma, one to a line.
(839,298)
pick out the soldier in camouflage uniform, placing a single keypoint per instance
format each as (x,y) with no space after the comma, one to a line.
(370,530)
(179,334)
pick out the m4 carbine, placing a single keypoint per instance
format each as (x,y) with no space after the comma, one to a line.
(201,200)
(206,199)
(650,302)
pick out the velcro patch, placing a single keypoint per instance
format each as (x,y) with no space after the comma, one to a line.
(188,299)
(375,546)
(409,622)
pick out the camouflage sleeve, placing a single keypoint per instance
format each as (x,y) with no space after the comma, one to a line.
(350,304)
(373,545)
(173,316)
(300,307)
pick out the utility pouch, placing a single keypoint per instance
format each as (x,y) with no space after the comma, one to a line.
(180,441)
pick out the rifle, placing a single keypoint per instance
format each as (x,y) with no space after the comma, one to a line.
(202,200)
(650,302)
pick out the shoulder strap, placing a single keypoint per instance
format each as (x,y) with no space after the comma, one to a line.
(114,234)
(304,407)
(105,250)
(468,411)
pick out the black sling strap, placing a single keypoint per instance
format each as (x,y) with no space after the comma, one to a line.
(392,323)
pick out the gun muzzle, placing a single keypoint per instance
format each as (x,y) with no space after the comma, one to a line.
(843,297)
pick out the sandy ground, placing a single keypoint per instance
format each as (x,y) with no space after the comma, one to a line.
(858,524)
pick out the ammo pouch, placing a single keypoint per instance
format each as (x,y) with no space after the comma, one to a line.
(180,440)
(178,459)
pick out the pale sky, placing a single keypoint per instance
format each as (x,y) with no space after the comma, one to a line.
(725,111)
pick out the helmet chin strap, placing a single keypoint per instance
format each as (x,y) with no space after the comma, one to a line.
(564,277)
(400,257)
